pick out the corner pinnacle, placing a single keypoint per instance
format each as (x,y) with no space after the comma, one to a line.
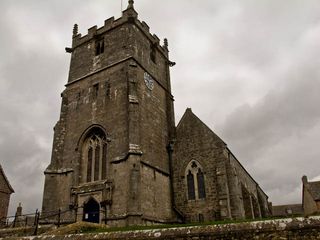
(75,30)
(165,43)
(130,4)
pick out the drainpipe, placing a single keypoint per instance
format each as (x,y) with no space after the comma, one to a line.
(173,204)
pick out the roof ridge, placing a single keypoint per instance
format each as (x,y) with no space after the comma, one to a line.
(194,115)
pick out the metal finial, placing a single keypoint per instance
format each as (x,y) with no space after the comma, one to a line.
(75,29)
(130,4)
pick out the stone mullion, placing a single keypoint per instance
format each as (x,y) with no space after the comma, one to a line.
(89,163)
(100,158)
(195,179)
(93,163)
(96,161)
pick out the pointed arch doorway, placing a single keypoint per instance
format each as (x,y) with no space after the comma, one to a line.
(91,211)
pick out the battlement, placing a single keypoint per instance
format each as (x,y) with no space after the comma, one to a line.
(128,16)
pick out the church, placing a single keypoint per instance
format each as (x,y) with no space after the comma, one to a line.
(118,156)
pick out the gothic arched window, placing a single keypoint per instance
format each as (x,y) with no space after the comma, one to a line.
(201,187)
(94,156)
(195,181)
(190,183)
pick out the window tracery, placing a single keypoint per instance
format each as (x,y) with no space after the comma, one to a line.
(94,163)
(195,181)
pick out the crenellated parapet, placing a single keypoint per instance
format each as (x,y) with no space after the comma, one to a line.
(128,16)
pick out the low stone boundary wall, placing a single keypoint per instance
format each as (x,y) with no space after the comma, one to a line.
(23,231)
(295,228)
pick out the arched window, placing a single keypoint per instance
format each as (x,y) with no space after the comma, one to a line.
(201,187)
(195,181)
(190,183)
(94,156)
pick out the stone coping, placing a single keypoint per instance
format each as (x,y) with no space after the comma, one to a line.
(289,228)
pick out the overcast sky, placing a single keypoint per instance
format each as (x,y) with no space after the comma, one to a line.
(249,69)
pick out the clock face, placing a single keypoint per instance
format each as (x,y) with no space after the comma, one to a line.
(148,80)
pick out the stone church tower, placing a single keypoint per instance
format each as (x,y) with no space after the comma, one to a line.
(110,154)
(117,156)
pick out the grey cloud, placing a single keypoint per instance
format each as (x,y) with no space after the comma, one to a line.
(277,136)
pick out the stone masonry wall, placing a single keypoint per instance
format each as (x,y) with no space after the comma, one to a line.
(116,48)
(4,204)
(309,205)
(195,141)
(231,193)
(155,192)
(81,110)
(107,90)
(293,229)
(150,119)
(243,179)
(4,197)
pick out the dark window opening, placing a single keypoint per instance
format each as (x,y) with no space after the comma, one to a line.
(89,169)
(97,163)
(194,165)
(201,186)
(95,90)
(216,215)
(201,218)
(107,86)
(153,54)
(99,47)
(190,182)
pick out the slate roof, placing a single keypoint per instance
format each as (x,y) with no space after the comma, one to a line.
(314,189)
(6,179)
(284,210)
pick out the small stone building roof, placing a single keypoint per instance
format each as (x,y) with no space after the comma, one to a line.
(6,180)
(287,210)
(314,189)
